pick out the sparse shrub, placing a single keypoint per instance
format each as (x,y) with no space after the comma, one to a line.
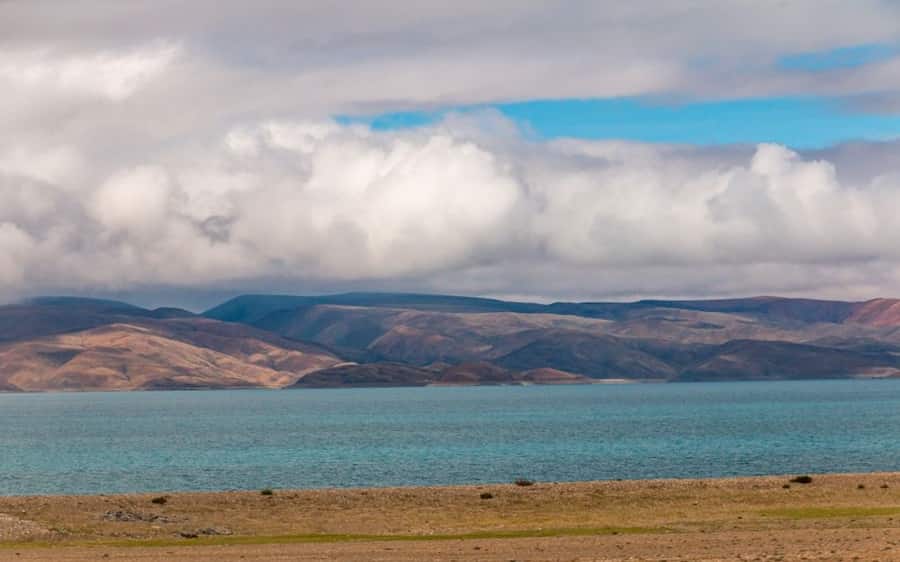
(804,479)
(787,486)
(267,492)
(884,486)
(486,495)
(161,500)
(861,487)
(524,482)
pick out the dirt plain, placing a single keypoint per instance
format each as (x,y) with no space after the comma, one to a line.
(835,517)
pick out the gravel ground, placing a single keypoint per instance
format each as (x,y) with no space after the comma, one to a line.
(836,517)
(875,545)
(16,529)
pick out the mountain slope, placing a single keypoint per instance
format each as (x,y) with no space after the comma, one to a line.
(381,339)
(752,360)
(878,312)
(651,339)
(78,346)
(370,375)
(251,308)
(478,372)
(602,357)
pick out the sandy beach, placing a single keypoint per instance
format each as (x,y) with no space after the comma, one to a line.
(835,517)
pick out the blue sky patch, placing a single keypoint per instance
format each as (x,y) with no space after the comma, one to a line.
(800,122)
(845,57)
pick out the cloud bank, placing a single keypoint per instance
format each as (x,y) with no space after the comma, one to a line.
(163,145)
(467,205)
(378,55)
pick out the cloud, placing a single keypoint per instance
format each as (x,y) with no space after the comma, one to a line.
(152,147)
(114,76)
(396,54)
(133,203)
(458,206)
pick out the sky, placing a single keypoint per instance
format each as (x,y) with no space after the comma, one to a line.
(180,153)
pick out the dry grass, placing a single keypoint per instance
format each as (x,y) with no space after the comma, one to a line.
(551,512)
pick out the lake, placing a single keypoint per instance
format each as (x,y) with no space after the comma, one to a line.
(254,439)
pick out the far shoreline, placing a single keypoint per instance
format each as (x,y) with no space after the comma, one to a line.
(649,481)
(595,382)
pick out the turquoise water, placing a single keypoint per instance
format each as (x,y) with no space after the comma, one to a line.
(219,440)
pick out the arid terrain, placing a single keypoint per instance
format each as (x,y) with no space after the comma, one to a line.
(833,517)
(94,345)
(270,341)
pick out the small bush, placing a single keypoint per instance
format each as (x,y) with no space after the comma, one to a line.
(861,487)
(161,500)
(884,486)
(487,495)
(787,486)
(524,482)
(804,479)
(267,492)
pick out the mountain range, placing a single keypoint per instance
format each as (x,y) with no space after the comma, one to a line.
(386,339)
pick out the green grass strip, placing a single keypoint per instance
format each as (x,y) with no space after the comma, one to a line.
(827,512)
(339,538)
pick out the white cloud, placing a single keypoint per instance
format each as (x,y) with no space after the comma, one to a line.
(51,164)
(111,75)
(168,144)
(456,207)
(401,53)
(135,203)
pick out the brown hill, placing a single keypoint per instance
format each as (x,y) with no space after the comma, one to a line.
(423,336)
(751,360)
(135,351)
(596,356)
(9,387)
(478,372)
(412,336)
(367,375)
(399,374)
(554,376)
(667,340)
(880,313)
(390,340)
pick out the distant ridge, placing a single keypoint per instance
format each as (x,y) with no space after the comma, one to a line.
(719,339)
(877,312)
(403,339)
(251,308)
(97,304)
(63,343)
